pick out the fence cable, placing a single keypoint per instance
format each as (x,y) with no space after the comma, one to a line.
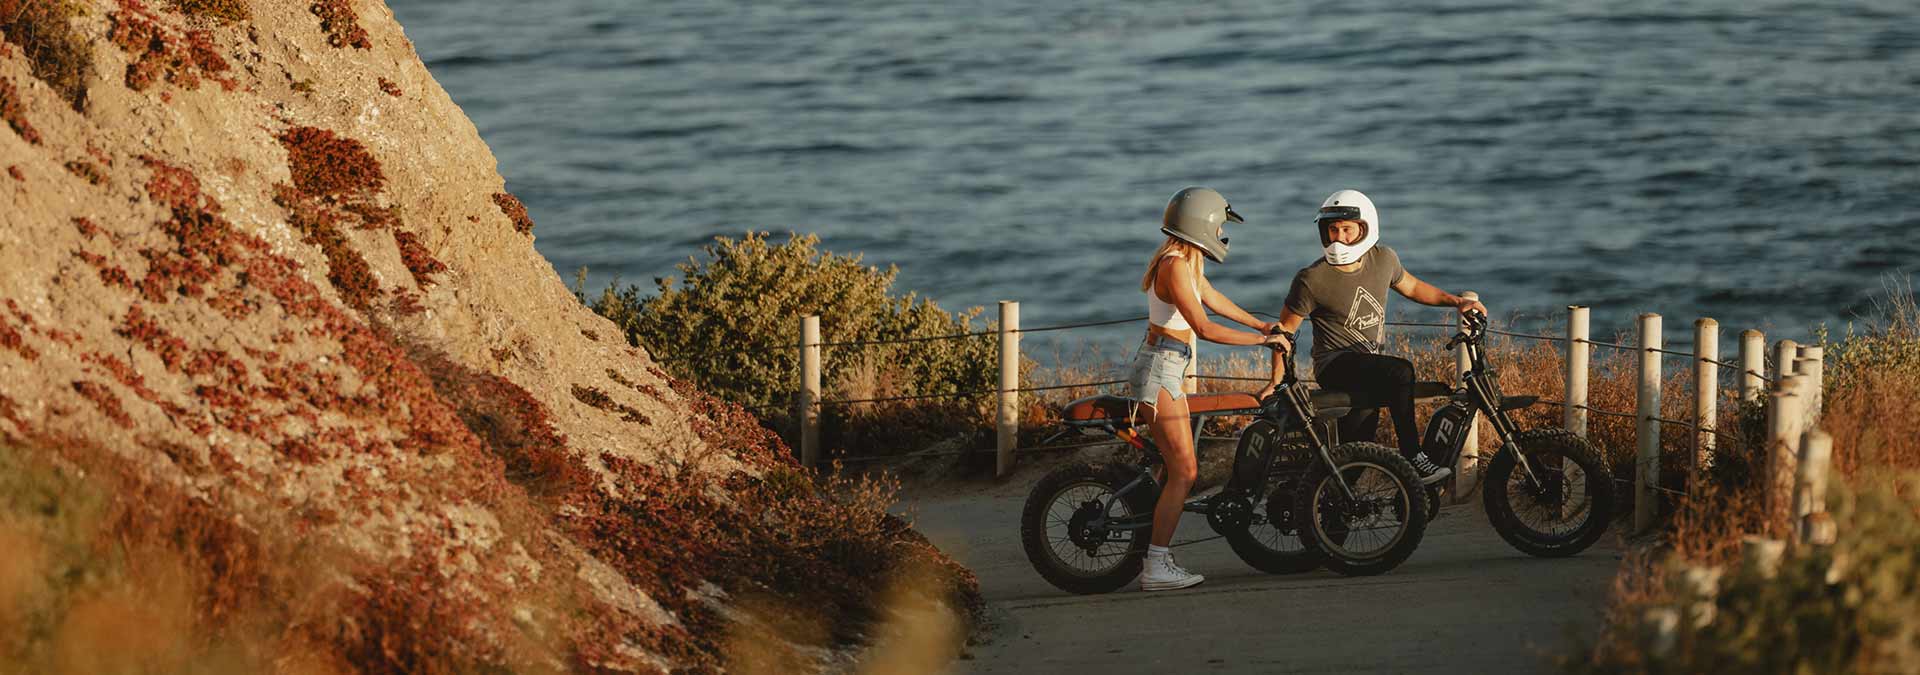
(1614,345)
(1549,338)
(1741,370)
(1080,325)
(1596,411)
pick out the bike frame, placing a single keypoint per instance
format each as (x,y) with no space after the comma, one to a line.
(1479,389)
(1289,407)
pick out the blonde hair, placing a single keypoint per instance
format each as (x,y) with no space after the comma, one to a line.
(1189,254)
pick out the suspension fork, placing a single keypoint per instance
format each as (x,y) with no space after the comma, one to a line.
(1504,427)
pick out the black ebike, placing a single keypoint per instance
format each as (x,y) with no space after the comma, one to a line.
(1293,501)
(1547,492)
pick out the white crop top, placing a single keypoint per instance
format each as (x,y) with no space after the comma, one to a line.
(1162,313)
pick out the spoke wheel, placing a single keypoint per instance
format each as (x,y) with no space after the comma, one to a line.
(1383,522)
(1565,510)
(1064,528)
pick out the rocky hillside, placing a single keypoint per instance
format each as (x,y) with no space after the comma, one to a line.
(267,302)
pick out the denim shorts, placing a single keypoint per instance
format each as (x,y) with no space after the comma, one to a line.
(1162,364)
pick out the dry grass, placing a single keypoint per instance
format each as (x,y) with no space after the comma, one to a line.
(59,56)
(1872,384)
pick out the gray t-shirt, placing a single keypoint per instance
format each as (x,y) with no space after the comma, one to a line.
(1348,309)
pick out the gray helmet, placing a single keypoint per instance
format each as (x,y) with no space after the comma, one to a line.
(1199,216)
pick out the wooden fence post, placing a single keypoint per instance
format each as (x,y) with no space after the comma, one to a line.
(1577,351)
(1760,555)
(809,391)
(1810,489)
(1646,499)
(1009,384)
(1753,365)
(1706,392)
(1813,364)
(1784,415)
(1466,467)
(1785,352)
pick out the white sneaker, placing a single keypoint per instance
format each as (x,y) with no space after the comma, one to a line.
(1166,575)
(1430,472)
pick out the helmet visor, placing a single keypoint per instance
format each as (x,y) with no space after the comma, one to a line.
(1233,217)
(1338,213)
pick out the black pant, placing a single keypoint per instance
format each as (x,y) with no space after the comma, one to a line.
(1374,380)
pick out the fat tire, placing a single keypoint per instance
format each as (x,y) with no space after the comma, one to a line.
(1256,553)
(1409,484)
(1499,503)
(1033,528)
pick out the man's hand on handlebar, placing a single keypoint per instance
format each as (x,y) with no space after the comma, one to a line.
(1466,305)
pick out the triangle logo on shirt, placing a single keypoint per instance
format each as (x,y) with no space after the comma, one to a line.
(1366,313)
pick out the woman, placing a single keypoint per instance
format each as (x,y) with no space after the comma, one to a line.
(1178,297)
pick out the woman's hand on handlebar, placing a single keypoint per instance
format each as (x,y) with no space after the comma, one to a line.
(1279,342)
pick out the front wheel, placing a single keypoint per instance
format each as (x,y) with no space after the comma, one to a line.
(1065,527)
(1380,526)
(1562,512)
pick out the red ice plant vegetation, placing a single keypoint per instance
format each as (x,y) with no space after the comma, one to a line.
(87,171)
(103,398)
(14,111)
(598,399)
(337,182)
(340,22)
(418,261)
(10,338)
(515,211)
(159,52)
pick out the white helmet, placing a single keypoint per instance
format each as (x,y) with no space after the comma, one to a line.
(1348,205)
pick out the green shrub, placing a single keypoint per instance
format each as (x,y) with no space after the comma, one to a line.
(730,324)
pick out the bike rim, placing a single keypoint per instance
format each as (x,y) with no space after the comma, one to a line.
(1557,508)
(1378,520)
(1058,531)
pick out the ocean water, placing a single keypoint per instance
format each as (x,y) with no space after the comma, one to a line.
(1754,161)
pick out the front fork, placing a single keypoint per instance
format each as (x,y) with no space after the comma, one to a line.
(1505,428)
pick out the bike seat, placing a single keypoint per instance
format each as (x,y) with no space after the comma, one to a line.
(1105,407)
(1431,390)
(1518,402)
(1220,402)
(1097,408)
(1331,404)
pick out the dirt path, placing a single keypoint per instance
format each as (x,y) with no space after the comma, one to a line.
(1465,602)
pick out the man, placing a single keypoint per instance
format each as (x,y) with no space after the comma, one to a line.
(1345,296)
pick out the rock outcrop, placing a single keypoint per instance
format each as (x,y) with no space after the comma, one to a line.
(264,289)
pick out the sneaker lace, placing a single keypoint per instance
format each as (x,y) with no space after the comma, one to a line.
(1176,568)
(1424,465)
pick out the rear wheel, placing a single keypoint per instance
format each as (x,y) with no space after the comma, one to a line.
(1065,535)
(1376,530)
(1565,510)
(1272,541)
